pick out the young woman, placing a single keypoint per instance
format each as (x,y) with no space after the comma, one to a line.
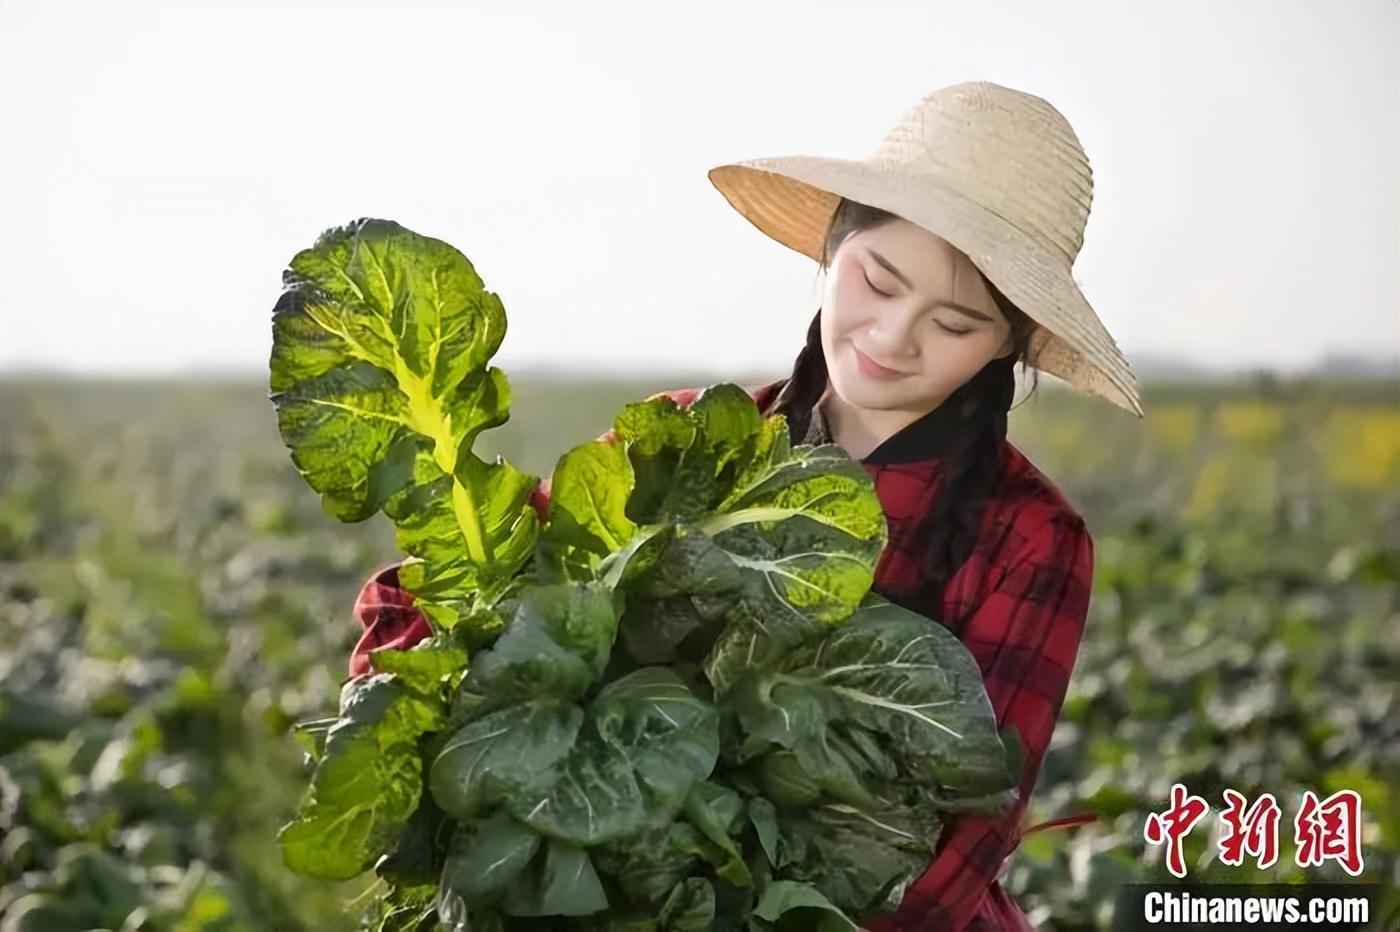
(947,258)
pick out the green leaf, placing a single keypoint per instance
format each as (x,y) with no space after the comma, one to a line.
(689,585)
(784,896)
(563,883)
(656,433)
(379,374)
(367,784)
(434,516)
(484,858)
(413,861)
(859,861)
(765,823)
(772,544)
(24,719)
(648,740)
(426,667)
(726,423)
(587,518)
(805,534)
(643,744)
(787,782)
(717,811)
(108,885)
(690,907)
(516,751)
(649,864)
(556,645)
(670,736)
(889,688)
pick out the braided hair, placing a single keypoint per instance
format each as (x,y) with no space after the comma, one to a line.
(983,402)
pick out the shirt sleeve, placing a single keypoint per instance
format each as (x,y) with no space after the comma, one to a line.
(1025,636)
(387,618)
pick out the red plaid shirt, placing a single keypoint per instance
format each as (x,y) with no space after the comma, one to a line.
(1018,603)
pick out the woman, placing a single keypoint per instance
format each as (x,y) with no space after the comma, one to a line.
(947,257)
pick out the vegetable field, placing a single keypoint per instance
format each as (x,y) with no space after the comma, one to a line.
(174,599)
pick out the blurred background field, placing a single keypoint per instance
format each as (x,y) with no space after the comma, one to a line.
(172,599)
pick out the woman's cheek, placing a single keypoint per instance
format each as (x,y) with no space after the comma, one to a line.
(845,317)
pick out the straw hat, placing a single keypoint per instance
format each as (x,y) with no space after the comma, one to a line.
(996,172)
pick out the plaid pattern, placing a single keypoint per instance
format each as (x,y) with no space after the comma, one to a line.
(1018,603)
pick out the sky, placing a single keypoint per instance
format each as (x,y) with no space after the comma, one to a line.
(160,164)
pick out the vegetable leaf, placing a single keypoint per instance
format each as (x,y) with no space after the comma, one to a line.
(367,784)
(890,679)
(380,378)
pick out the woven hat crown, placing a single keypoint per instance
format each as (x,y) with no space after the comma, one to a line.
(1011,152)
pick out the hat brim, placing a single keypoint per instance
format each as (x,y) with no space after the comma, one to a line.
(792,198)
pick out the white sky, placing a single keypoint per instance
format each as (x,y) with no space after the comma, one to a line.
(161,162)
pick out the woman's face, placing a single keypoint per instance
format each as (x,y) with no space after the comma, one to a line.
(936,324)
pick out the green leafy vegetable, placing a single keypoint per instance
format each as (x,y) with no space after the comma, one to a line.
(672,704)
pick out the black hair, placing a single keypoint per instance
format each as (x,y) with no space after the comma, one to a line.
(973,470)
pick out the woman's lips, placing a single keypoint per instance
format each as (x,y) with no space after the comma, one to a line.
(871,368)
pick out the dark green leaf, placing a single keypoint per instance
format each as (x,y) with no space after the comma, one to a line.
(648,740)
(517,751)
(562,883)
(556,645)
(765,823)
(367,783)
(485,857)
(690,907)
(784,896)
(893,674)
(716,811)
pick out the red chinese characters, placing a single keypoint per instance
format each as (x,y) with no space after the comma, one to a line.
(1249,831)
(1171,826)
(1324,830)
(1330,829)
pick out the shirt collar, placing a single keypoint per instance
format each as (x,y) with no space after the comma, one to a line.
(945,431)
(940,433)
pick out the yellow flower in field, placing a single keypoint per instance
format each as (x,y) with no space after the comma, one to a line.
(1362,447)
(1255,422)
(1210,487)
(1174,426)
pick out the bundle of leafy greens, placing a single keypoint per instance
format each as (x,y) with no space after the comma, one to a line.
(673,703)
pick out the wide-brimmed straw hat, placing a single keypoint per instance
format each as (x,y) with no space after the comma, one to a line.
(996,172)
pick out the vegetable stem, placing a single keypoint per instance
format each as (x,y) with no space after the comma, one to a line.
(426,417)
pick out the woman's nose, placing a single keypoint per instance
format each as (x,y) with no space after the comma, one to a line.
(892,333)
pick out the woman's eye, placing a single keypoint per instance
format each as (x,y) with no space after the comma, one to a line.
(876,290)
(946,329)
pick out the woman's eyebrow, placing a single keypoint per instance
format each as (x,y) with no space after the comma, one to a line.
(961,308)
